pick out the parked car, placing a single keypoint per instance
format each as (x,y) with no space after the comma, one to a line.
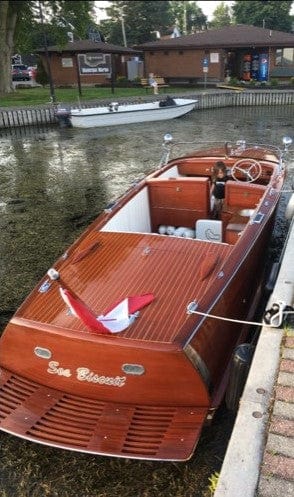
(32,72)
(20,72)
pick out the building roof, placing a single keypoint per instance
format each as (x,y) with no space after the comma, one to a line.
(239,35)
(89,46)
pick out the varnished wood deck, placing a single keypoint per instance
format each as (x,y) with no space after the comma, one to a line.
(126,264)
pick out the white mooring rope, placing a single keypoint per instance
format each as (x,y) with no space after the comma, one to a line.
(276,318)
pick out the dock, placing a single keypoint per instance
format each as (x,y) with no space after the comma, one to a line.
(259,460)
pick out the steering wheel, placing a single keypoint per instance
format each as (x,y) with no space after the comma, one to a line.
(250,168)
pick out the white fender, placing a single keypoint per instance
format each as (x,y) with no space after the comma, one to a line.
(162,229)
(189,233)
(180,231)
(170,230)
(290,208)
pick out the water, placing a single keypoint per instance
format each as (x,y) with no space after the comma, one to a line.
(53,182)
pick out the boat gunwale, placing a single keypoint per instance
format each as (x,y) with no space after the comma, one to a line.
(78,112)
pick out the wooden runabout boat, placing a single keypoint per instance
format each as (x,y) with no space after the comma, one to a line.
(124,347)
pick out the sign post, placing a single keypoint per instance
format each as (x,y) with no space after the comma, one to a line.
(205,69)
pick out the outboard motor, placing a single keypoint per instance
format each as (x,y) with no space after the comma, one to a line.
(113,106)
(238,375)
(169,101)
(63,116)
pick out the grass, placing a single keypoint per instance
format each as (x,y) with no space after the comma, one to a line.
(33,470)
(22,97)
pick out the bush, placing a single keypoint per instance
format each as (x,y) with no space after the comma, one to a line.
(234,82)
(121,79)
(274,82)
(41,76)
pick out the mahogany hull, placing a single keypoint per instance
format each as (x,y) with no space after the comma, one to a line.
(147,391)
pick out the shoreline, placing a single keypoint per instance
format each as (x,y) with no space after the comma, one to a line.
(208,99)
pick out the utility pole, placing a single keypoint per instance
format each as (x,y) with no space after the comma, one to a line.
(123,27)
(185,19)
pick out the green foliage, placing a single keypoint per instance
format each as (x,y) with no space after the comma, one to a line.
(187,16)
(140,20)
(59,17)
(23,28)
(267,14)
(42,76)
(40,95)
(23,32)
(213,479)
(150,17)
(221,17)
(292,81)
(77,13)
(233,82)
(274,82)
(121,80)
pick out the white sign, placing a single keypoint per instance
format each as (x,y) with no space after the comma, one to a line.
(67,62)
(214,58)
(205,69)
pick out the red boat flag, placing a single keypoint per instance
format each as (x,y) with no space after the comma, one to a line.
(80,310)
(135,303)
(117,318)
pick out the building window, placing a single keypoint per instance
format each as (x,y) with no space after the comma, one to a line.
(66,62)
(284,56)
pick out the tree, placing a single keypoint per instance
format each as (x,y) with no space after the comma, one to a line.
(221,16)
(22,32)
(188,16)
(139,21)
(8,20)
(73,15)
(150,17)
(267,14)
